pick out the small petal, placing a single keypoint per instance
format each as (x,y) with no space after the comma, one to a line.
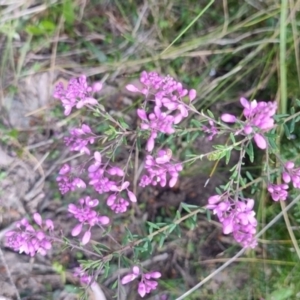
(155,275)
(38,219)
(125,185)
(142,289)
(90,101)
(80,104)
(97,86)
(47,245)
(128,278)
(86,238)
(192,94)
(92,203)
(162,159)
(245,102)
(49,224)
(227,226)
(79,183)
(184,112)
(142,114)
(68,109)
(136,270)
(40,235)
(76,230)
(248,129)
(131,196)
(286,177)
(173,182)
(111,200)
(93,168)
(86,128)
(289,165)
(260,141)
(214,199)
(228,118)
(97,156)
(65,169)
(132,88)
(250,204)
(103,220)
(72,208)
(150,144)
(178,118)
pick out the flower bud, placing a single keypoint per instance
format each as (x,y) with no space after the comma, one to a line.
(227,118)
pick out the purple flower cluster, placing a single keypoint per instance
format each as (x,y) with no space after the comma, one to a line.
(85,214)
(237,217)
(29,240)
(259,119)
(156,122)
(158,168)
(169,107)
(80,138)
(147,284)
(291,174)
(102,179)
(65,181)
(278,191)
(78,93)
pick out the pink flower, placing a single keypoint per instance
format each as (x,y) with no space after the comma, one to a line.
(65,181)
(147,284)
(291,174)
(80,138)
(156,122)
(77,93)
(160,170)
(29,240)
(131,276)
(170,108)
(259,119)
(237,217)
(105,179)
(278,191)
(86,216)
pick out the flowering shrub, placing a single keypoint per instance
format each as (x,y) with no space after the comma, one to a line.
(166,104)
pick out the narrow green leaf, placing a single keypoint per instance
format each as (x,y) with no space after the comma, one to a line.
(68,11)
(286,130)
(250,152)
(210,114)
(161,241)
(172,228)
(292,125)
(228,154)
(153,225)
(249,176)
(114,285)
